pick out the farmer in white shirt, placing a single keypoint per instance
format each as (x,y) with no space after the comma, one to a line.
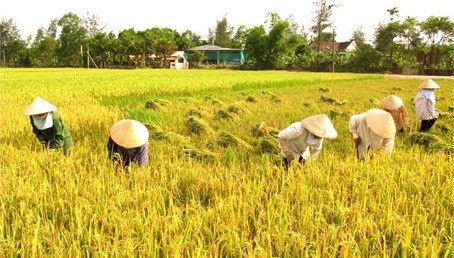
(304,139)
(425,105)
(374,129)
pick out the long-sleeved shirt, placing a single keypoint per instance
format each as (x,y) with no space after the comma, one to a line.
(294,139)
(127,156)
(369,140)
(425,109)
(400,117)
(57,136)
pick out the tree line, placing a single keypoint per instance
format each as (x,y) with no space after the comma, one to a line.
(407,45)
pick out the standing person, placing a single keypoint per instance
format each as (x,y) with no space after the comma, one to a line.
(374,129)
(48,126)
(425,104)
(304,139)
(395,106)
(128,143)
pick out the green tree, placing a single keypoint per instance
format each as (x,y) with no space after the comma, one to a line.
(321,20)
(223,33)
(43,50)
(385,36)
(196,58)
(69,50)
(437,32)
(10,43)
(392,12)
(127,46)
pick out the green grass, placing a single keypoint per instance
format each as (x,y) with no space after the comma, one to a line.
(201,197)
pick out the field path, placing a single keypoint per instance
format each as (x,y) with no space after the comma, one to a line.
(418,76)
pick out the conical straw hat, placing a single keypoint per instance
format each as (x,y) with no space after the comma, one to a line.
(320,125)
(129,133)
(392,102)
(429,84)
(381,122)
(39,106)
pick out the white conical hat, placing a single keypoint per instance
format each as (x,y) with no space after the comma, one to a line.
(320,125)
(381,122)
(429,84)
(39,106)
(129,133)
(392,102)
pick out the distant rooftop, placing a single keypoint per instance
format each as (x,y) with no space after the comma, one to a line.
(211,48)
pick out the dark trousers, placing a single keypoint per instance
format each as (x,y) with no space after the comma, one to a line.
(427,124)
(286,162)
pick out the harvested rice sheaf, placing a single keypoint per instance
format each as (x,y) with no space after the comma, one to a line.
(442,126)
(225,139)
(251,99)
(268,145)
(213,100)
(335,113)
(198,113)
(424,139)
(152,104)
(443,147)
(197,126)
(375,101)
(163,102)
(331,100)
(223,114)
(274,97)
(194,152)
(237,108)
(262,129)
(307,104)
(324,89)
(397,88)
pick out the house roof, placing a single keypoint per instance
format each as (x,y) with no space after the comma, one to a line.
(212,48)
(338,46)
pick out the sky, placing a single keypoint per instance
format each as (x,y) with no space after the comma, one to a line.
(201,15)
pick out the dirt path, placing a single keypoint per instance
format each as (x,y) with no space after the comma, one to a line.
(418,76)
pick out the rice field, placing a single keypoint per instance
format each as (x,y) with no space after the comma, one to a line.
(214,185)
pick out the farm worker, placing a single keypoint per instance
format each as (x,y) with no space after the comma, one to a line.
(425,104)
(395,106)
(48,126)
(128,143)
(374,129)
(304,139)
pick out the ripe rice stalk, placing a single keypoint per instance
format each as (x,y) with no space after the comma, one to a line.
(424,139)
(261,129)
(225,139)
(268,145)
(223,114)
(194,152)
(152,104)
(197,126)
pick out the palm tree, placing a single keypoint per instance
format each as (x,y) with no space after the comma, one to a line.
(393,11)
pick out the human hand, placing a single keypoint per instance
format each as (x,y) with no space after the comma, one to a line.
(357,141)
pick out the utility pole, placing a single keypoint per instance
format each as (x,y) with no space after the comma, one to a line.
(88,55)
(334,44)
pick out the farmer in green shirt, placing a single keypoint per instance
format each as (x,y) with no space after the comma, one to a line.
(48,126)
